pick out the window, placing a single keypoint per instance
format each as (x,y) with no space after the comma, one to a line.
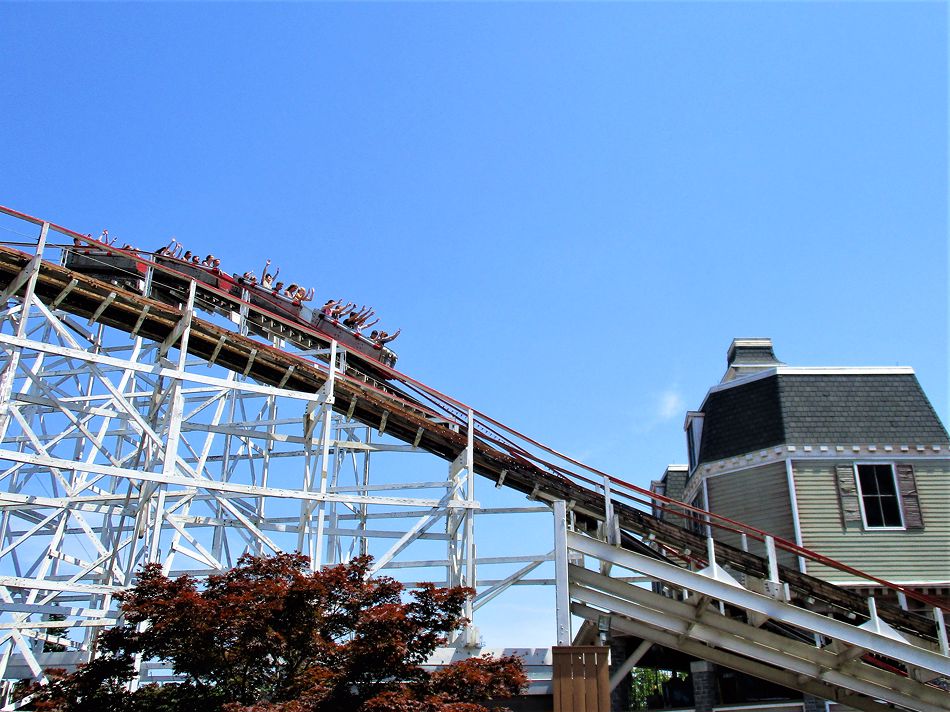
(694,434)
(697,522)
(880,500)
(879,496)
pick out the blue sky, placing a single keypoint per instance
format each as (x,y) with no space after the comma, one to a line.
(569,209)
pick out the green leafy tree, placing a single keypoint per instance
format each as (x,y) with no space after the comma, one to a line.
(269,636)
(646,688)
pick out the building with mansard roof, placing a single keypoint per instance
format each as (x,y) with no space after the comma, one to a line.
(850,462)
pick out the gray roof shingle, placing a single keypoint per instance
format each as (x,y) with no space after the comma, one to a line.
(840,408)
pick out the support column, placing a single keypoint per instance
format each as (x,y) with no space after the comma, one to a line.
(326,412)
(705,689)
(620,693)
(469,525)
(561,591)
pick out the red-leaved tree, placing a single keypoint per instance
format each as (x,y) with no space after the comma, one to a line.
(269,636)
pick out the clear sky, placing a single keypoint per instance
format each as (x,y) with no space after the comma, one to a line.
(569,209)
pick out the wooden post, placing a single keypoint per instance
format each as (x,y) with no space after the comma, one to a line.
(581,678)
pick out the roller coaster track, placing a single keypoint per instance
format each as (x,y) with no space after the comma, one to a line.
(410,411)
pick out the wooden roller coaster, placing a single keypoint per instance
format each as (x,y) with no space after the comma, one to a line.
(142,295)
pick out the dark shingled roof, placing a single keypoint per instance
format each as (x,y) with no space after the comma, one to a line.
(743,352)
(851,409)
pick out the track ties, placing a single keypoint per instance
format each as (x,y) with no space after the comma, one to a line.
(139,321)
(102,307)
(217,349)
(286,376)
(63,294)
(250,362)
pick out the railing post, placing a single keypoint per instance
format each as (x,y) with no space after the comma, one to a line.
(941,631)
(149,279)
(872,613)
(772,557)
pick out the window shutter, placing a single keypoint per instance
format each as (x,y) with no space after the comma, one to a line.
(848,495)
(907,485)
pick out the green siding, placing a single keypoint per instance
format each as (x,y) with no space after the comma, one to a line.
(757,497)
(900,556)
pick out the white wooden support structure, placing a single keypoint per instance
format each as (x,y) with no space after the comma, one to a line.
(28,277)
(112,455)
(941,631)
(836,672)
(561,586)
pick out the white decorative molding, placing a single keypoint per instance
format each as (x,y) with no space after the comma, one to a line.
(801,452)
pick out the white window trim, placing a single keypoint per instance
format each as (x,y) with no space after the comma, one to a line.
(897,491)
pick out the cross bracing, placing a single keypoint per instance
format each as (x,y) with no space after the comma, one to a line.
(94,487)
(122,451)
(709,614)
(173,443)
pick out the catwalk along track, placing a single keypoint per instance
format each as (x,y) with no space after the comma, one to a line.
(141,295)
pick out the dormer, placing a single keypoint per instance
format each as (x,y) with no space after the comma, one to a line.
(694,436)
